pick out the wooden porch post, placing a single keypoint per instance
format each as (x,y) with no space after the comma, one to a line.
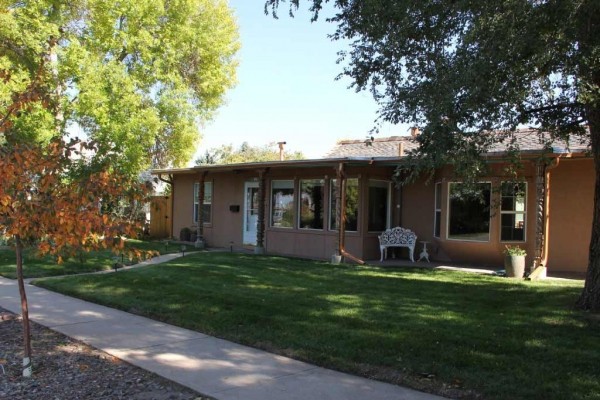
(260,223)
(342,208)
(340,218)
(200,228)
(540,212)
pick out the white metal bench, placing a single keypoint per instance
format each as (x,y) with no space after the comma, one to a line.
(397,237)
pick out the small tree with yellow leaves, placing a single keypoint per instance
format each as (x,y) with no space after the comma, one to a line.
(54,201)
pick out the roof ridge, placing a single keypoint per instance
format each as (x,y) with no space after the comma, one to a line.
(396,138)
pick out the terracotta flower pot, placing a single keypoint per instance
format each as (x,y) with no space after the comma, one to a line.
(514,266)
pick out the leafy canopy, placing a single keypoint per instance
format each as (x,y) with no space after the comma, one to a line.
(47,209)
(227,154)
(462,69)
(138,76)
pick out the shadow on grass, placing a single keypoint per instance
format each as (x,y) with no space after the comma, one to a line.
(35,266)
(501,338)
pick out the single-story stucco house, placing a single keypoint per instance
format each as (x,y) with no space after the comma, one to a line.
(289,207)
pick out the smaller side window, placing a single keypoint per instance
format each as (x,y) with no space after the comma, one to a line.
(207,203)
(513,213)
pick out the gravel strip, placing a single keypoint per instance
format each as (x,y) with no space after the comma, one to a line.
(65,369)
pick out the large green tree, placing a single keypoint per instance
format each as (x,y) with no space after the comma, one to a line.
(463,69)
(138,76)
(227,154)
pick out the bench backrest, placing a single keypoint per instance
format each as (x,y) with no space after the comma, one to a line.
(398,235)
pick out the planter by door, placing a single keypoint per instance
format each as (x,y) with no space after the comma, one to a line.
(514,266)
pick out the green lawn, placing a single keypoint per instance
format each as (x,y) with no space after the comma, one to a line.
(35,266)
(457,334)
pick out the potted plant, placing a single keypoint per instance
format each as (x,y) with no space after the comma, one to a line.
(336,259)
(514,261)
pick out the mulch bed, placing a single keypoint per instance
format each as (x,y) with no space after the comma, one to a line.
(64,368)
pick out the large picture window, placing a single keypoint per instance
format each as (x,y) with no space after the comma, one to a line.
(207,204)
(282,204)
(437,222)
(469,212)
(379,209)
(351,205)
(311,203)
(512,211)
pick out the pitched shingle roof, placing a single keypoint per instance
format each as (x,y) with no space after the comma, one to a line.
(380,147)
(528,140)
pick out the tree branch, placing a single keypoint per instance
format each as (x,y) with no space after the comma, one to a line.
(553,107)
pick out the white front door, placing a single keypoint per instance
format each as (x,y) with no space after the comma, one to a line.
(250,212)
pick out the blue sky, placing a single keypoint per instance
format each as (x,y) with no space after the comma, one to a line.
(286,87)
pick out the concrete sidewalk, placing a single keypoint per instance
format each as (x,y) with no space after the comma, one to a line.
(215,367)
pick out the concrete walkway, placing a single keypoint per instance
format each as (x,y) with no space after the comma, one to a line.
(146,263)
(214,367)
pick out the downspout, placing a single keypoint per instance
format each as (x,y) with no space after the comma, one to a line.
(341,219)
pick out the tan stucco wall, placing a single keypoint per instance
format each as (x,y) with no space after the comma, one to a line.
(227,226)
(183,202)
(419,213)
(570,215)
(570,212)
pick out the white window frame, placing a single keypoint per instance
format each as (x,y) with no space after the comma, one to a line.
(195,200)
(449,211)
(436,210)
(524,212)
(294,192)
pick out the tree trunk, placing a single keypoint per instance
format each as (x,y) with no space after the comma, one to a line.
(590,297)
(27,368)
(589,29)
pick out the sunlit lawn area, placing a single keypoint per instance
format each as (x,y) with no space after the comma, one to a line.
(35,266)
(453,333)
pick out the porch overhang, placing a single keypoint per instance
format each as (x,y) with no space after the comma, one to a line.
(312,163)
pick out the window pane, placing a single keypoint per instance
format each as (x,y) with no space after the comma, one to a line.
(207,192)
(378,206)
(282,200)
(206,209)
(438,226)
(513,227)
(438,196)
(311,204)
(514,196)
(469,212)
(351,205)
